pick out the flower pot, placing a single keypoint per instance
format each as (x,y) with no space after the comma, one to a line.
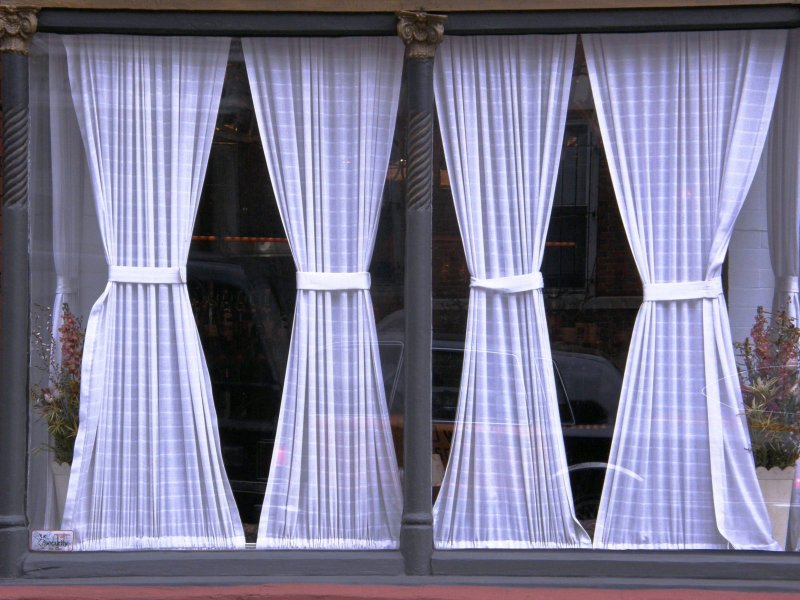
(776,487)
(60,484)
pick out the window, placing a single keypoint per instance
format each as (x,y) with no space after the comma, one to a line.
(242,291)
(242,280)
(242,284)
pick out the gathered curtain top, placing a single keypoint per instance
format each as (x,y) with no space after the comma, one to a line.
(682,290)
(511,284)
(168,275)
(309,280)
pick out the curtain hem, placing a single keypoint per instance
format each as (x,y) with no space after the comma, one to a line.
(509,544)
(272,543)
(665,546)
(161,543)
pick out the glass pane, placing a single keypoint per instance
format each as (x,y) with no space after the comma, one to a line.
(242,286)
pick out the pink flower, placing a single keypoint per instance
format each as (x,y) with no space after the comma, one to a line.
(58,404)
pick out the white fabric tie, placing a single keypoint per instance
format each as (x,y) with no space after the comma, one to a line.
(787,284)
(169,275)
(511,284)
(65,285)
(682,290)
(309,280)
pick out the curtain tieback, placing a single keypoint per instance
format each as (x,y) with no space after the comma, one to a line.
(682,290)
(787,284)
(511,284)
(309,280)
(65,285)
(169,275)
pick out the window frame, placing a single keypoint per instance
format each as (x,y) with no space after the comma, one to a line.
(733,569)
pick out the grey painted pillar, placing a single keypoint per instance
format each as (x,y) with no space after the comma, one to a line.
(421,33)
(16,27)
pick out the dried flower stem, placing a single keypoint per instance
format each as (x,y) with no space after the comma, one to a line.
(58,403)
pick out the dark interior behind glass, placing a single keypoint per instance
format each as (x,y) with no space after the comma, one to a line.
(242,287)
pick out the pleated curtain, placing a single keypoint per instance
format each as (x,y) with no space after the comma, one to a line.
(683,118)
(326,110)
(783,191)
(502,104)
(66,173)
(783,214)
(147,471)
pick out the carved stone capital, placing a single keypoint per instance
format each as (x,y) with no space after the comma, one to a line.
(421,32)
(17,25)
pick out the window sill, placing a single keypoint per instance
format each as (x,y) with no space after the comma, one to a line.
(187,564)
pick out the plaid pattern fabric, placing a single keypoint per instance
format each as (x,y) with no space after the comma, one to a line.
(502,105)
(683,118)
(148,470)
(326,110)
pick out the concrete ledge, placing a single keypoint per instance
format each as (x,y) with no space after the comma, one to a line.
(722,570)
(719,566)
(246,563)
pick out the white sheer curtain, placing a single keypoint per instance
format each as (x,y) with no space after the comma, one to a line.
(783,191)
(783,197)
(67,176)
(683,118)
(326,110)
(502,104)
(147,471)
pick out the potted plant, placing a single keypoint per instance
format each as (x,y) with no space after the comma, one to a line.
(770,384)
(58,402)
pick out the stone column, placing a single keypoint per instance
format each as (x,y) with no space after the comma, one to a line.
(17,25)
(422,33)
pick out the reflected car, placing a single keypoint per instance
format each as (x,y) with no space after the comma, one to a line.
(243,309)
(588,390)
